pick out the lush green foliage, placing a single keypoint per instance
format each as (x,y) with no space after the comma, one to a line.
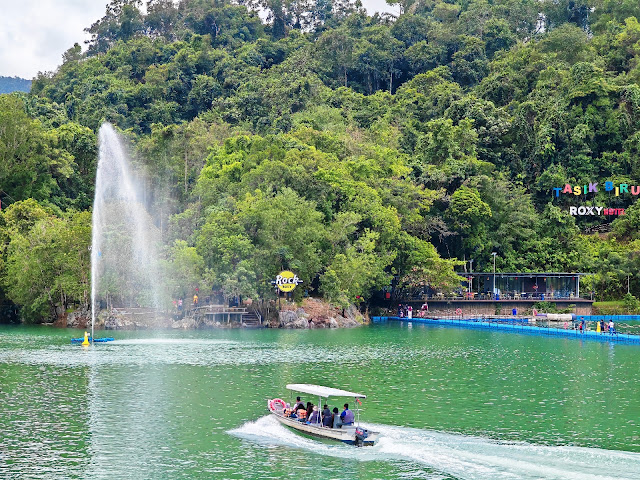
(47,261)
(346,147)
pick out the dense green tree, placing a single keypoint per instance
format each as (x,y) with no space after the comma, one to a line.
(327,140)
(47,266)
(184,270)
(121,22)
(32,163)
(468,213)
(352,276)
(628,226)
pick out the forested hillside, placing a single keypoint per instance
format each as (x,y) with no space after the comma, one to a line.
(14,84)
(346,147)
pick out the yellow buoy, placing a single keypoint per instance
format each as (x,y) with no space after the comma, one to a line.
(86,340)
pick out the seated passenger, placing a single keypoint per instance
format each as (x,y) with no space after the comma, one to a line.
(337,421)
(309,408)
(314,418)
(301,413)
(347,416)
(287,410)
(327,419)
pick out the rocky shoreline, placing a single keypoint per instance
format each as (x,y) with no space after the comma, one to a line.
(317,314)
(312,313)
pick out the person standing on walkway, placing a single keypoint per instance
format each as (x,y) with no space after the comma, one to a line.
(195,302)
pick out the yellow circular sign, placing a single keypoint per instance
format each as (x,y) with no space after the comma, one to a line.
(286,281)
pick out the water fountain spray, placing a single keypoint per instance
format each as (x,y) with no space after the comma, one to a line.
(124,259)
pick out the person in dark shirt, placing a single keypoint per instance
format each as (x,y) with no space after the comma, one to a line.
(327,419)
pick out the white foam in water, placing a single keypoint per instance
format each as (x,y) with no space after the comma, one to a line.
(464,457)
(267,430)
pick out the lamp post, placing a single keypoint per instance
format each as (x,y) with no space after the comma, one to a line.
(470,275)
(494,273)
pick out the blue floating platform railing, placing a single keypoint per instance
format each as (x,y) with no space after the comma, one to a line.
(510,326)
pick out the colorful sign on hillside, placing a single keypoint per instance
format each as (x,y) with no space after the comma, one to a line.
(286,281)
(617,190)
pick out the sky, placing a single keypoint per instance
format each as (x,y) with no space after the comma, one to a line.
(35,33)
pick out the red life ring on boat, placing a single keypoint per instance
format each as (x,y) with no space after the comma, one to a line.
(277,401)
(458,311)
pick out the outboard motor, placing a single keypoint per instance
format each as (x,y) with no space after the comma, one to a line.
(361,434)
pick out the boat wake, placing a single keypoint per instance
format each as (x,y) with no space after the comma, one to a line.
(461,456)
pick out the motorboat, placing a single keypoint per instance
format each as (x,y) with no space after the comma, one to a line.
(350,434)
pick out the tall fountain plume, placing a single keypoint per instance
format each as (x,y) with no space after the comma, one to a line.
(124,244)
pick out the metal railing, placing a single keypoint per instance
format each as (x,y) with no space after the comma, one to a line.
(489,296)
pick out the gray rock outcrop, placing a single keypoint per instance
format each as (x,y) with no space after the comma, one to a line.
(301,319)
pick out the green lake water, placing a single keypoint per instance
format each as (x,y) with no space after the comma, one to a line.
(450,404)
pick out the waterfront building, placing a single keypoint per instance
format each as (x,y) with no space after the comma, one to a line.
(489,293)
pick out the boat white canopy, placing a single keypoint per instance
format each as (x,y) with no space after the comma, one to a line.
(324,392)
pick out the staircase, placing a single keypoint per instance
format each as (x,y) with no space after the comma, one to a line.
(251,320)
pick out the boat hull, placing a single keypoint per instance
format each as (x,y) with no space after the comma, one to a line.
(346,434)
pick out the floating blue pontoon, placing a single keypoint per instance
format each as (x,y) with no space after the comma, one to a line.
(507,326)
(76,341)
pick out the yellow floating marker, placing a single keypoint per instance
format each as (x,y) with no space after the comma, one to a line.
(86,340)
